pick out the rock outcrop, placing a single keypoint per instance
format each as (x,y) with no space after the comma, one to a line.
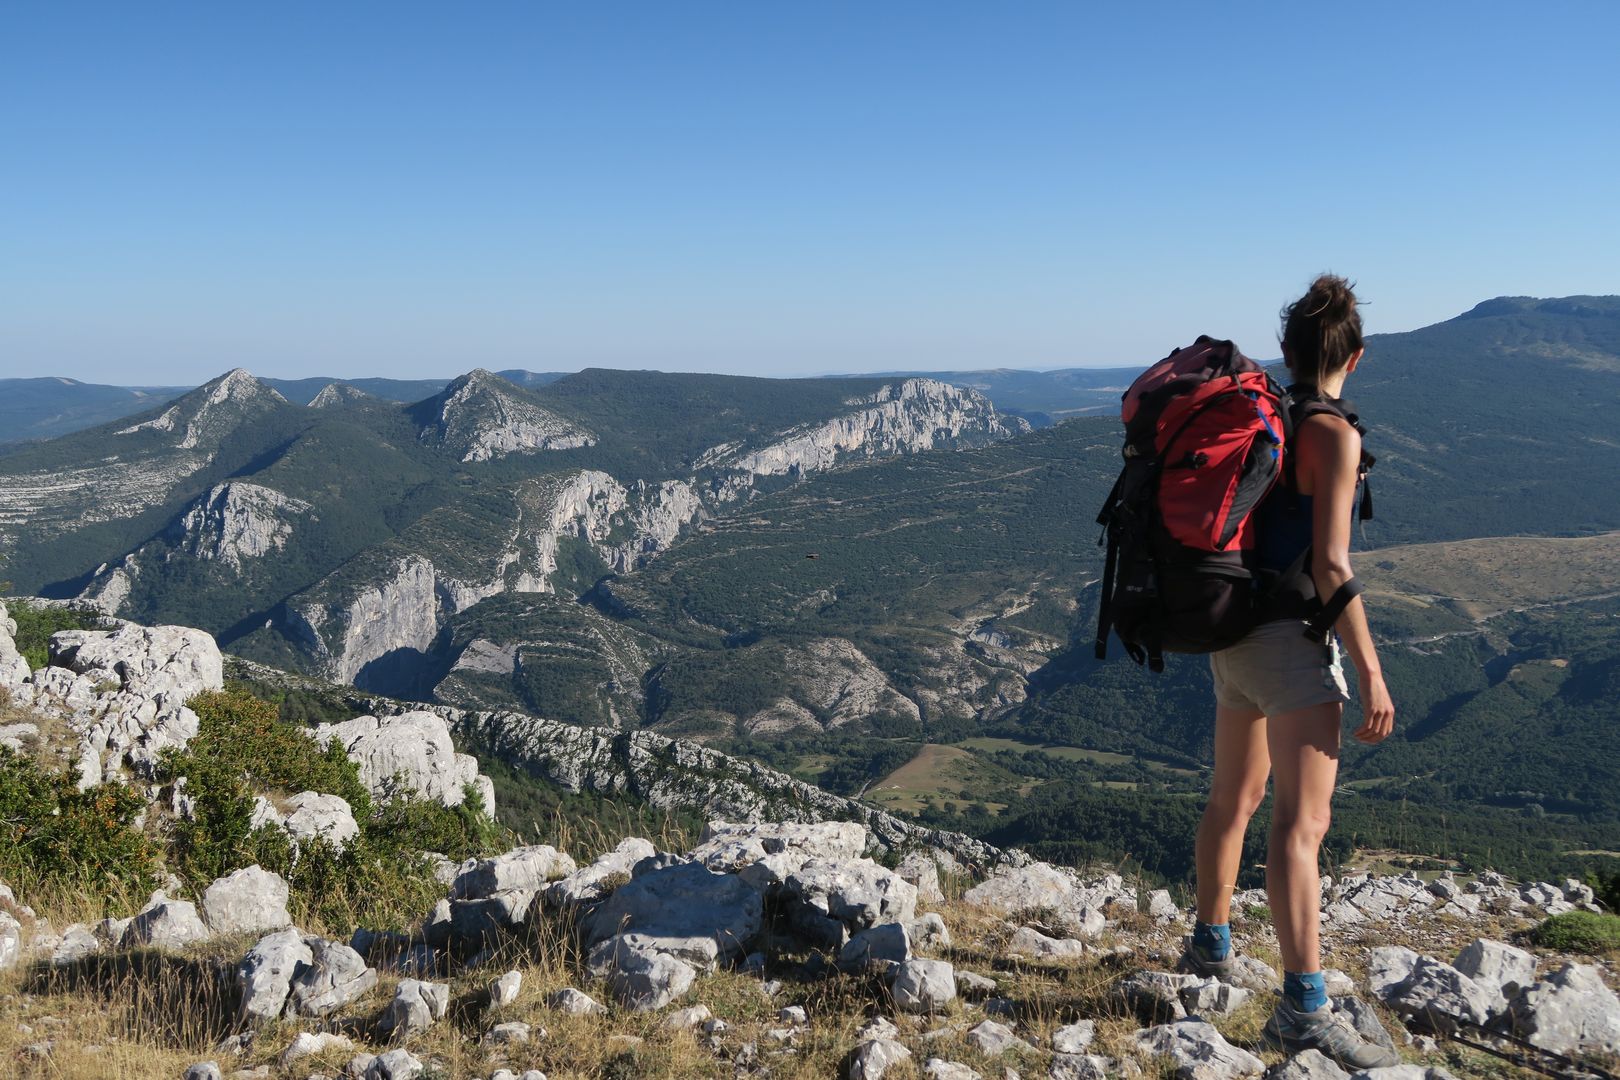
(122,692)
(237,520)
(410,753)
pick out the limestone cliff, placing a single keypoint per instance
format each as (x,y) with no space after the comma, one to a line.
(237,520)
(482,416)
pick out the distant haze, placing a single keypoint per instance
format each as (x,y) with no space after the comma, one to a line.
(777,189)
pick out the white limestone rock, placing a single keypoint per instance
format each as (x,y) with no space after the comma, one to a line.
(993,1038)
(1074,1038)
(880,947)
(940,1069)
(1571,1011)
(312,815)
(415,1007)
(873,1058)
(249,900)
(923,986)
(1497,969)
(334,976)
(411,752)
(504,990)
(10,941)
(1198,1051)
(685,909)
(644,979)
(591,883)
(166,924)
(1032,943)
(1310,1065)
(831,898)
(574,1002)
(308,1043)
(1436,995)
(530,868)
(264,977)
(920,869)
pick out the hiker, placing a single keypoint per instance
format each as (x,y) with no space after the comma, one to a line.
(1280,691)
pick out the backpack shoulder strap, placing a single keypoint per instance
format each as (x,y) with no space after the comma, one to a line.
(1305,402)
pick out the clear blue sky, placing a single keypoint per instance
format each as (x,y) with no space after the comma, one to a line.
(776,188)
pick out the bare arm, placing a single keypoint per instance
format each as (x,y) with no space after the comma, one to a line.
(1330,454)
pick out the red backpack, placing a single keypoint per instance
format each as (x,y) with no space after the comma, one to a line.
(1205,430)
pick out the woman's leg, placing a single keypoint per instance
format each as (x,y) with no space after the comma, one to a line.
(1305,766)
(1241,766)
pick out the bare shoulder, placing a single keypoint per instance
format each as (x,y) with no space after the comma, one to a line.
(1328,438)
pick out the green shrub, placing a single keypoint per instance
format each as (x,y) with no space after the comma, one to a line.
(36,623)
(1579,932)
(242,750)
(55,837)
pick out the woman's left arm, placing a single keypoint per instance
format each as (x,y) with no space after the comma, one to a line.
(1333,448)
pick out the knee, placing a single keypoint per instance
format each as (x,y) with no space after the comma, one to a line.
(1301,828)
(1235,806)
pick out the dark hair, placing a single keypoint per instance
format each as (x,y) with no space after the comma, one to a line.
(1321,330)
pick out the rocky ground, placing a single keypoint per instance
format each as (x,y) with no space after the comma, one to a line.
(761,949)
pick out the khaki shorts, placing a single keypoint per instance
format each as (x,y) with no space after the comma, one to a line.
(1277,670)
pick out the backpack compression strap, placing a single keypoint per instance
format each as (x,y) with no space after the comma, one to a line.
(1320,624)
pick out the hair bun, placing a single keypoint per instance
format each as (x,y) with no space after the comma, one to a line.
(1321,330)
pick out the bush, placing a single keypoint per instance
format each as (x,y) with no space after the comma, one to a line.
(1579,932)
(55,837)
(243,749)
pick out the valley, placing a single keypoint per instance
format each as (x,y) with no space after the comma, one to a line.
(881,585)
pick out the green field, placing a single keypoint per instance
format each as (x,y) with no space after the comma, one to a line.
(988,744)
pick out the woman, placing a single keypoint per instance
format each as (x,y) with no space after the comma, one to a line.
(1280,694)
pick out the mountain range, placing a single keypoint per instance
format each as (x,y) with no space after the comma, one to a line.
(883,584)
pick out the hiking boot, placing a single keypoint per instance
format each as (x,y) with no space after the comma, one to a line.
(1197,960)
(1293,1032)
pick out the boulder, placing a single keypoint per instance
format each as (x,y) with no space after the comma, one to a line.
(416,1005)
(1033,943)
(308,1043)
(314,816)
(923,986)
(940,1069)
(1571,1011)
(1364,1019)
(591,883)
(175,662)
(166,924)
(334,976)
(78,941)
(1198,1051)
(829,899)
(1012,890)
(1083,1067)
(728,846)
(644,979)
(11,939)
(409,753)
(530,868)
(872,1059)
(993,1038)
(264,977)
(879,946)
(930,931)
(508,1033)
(920,869)
(1310,1065)
(249,900)
(1436,995)
(398,1064)
(685,909)
(1075,1038)
(504,990)
(204,1070)
(1388,966)
(574,1002)
(1499,970)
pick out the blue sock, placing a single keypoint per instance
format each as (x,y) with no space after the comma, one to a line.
(1305,992)
(1215,940)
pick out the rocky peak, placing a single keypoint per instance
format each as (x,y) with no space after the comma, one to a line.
(339,394)
(482,416)
(211,410)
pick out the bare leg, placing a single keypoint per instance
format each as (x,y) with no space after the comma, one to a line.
(1305,765)
(1241,766)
